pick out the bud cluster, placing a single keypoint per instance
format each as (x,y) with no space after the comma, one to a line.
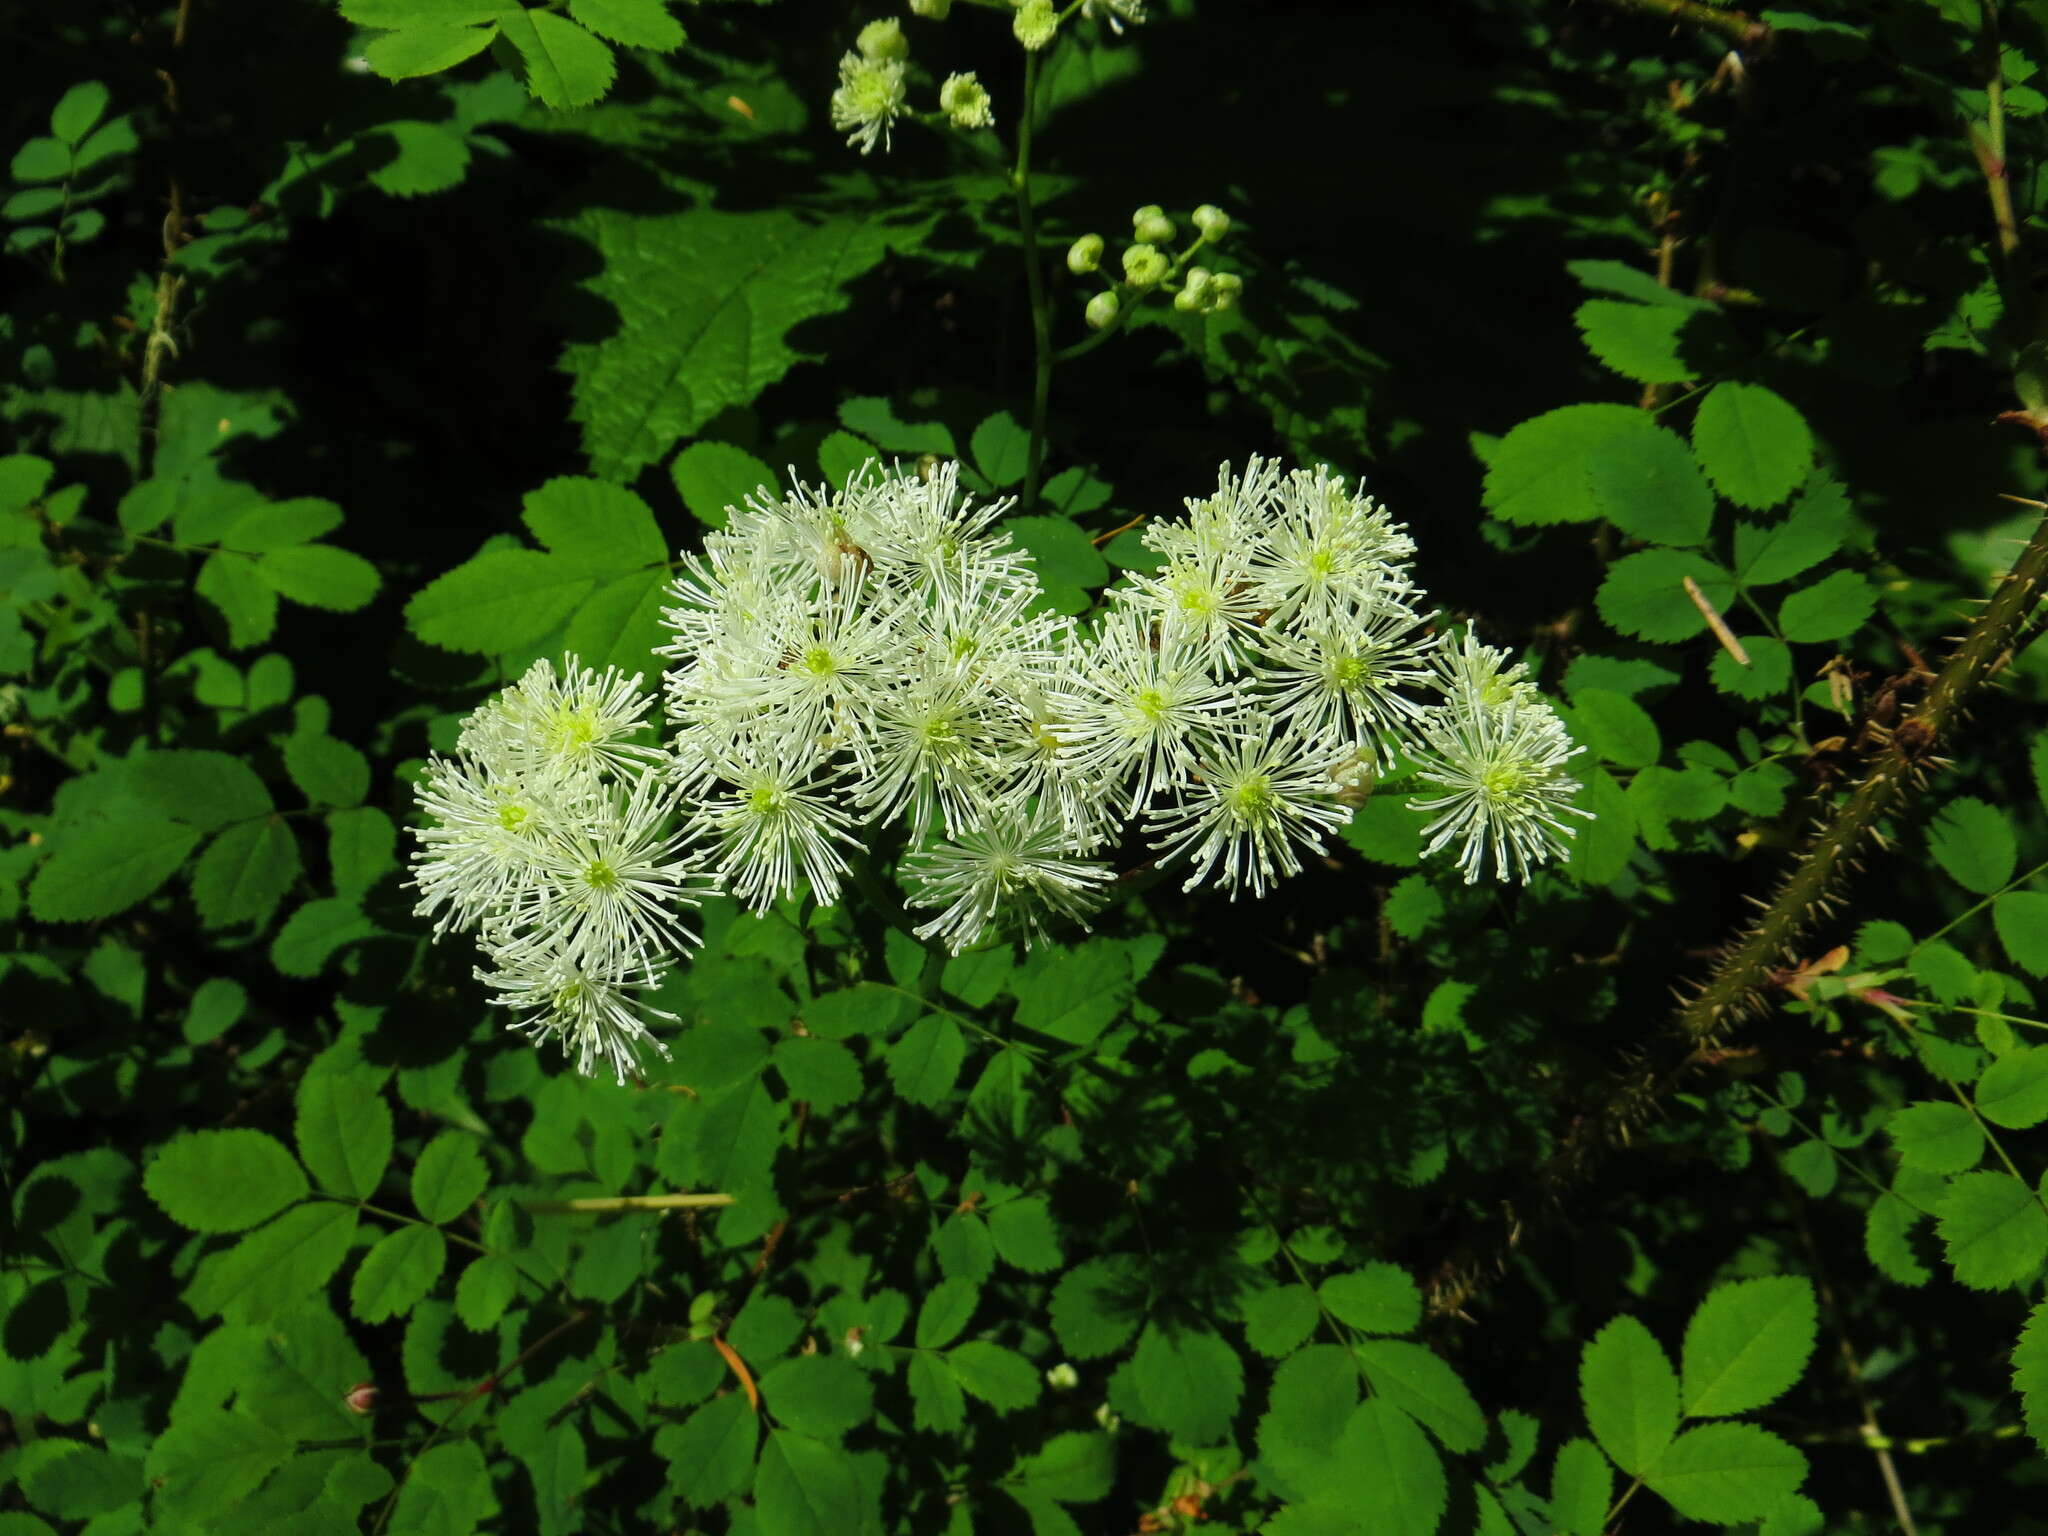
(874,92)
(844,662)
(1147,268)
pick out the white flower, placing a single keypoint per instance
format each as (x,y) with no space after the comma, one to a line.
(1340,684)
(582,1000)
(1247,814)
(567,725)
(482,845)
(1329,554)
(768,823)
(965,102)
(937,747)
(1010,872)
(1118,11)
(869,98)
(1507,792)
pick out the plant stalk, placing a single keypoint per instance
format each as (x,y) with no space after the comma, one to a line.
(1034,278)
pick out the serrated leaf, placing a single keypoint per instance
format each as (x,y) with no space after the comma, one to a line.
(1747,1344)
(926,1062)
(1832,608)
(274,525)
(344,1131)
(1025,1236)
(1646,483)
(1992,1228)
(563,64)
(1887,1240)
(707,300)
(945,1312)
(935,1396)
(823,1073)
(599,528)
(2021,918)
(400,1269)
(1423,1385)
(447,1491)
(274,1269)
(1000,1377)
(319,576)
(244,600)
(449,1177)
(217,1004)
(1974,842)
(711,1453)
(1630,1394)
(1581,1484)
(498,601)
(245,871)
(1072,994)
(106,869)
(223,1181)
(1620,278)
(1074,1467)
(2013,1091)
(1936,1136)
(2030,1373)
(1380,1298)
(714,478)
(1644,596)
(311,935)
(485,1289)
(620,625)
(202,1466)
(1539,472)
(1001,449)
(327,771)
(1278,1321)
(1769,670)
(1392,1478)
(823,1396)
(1098,1304)
(1638,341)
(1190,1381)
(414,51)
(1618,729)
(1815,528)
(1726,1473)
(630,23)
(1307,1408)
(1753,444)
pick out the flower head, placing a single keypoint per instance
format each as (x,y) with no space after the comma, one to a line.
(869,99)
(963,99)
(1506,791)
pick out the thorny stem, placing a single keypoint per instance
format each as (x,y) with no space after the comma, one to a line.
(1738,28)
(1041,315)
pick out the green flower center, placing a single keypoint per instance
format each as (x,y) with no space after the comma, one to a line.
(513,818)
(1505,783)
(1152,705)
(767,800)
(1253,801)
(820,662)
(600,876)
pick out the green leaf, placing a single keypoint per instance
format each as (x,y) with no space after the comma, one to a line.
(1993,1230)
(1769,671)
(499,601)
(620,625)
(1888,1240)
(1616,727)
(1638,341)
(1974,843)
(206,789)
(1630,1394)
(1392,1475)
(41,159)
(1278,1321)
(1097,1305)
(2030,1373)
(1777,551)
(630,23)
(1540,473)
(564,65)
(1647,485)
(945,1312)
(926,1062)
(1581,1484)
(244,600)
(2013,1091)
(1074,1467)
(935,1396)
(1747,1344)
(216,1006)
(415,51)
(711,1452)
(274,525)
(714,478)
(1310,1402)
(1422,1384)
(824,1396)
(485,1289)
(446,1492)
(312,935)
(1834,607)
(397,1272)
(1380,1298)
(320,576)
(276,1267)
(223,1181)
(1001,448)
(1620,278)
(706,299)
(343,1128)
(2021,918)
(327,771)
(205,1464)
(1936,1136)
(1644,594)
(449,1177)
(1753,444)
(78,111)
(108,868)
(823,1073)
(1000,1377)
(245,872)
(1073,994)
(876,420)
(1025,1236)
(804,1487)
(1060,550)
(1189,1380)
(598,528)
(1726,1473)
(418,13)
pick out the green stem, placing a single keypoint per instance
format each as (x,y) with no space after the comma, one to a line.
(1034,278)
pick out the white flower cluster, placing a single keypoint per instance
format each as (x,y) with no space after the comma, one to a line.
(846,660)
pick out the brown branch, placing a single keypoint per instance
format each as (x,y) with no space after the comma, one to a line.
(1740,29)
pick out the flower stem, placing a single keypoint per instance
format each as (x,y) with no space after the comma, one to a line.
(1034,278)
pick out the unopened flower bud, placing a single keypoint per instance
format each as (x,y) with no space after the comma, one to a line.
(1151,225)
(1212,221)
(1035,24)
(964,101)
(1101,310)
(883,40)
(931,10)
(1224,288)
(1084,255)
(1195,292)
(1063,1377)
(361,1399)
(1144,266)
